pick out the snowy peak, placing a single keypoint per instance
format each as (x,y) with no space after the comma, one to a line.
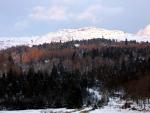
(80,34)
(145,31)
(65,35)
(87,33)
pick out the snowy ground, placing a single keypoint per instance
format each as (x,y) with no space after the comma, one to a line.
(87,110)
(116,110)
(114,106)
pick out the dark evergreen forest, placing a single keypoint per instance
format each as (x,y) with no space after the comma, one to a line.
(58,74)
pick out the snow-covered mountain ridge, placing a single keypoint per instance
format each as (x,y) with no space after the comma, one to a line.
(6,42)
(79,34)
(70,34)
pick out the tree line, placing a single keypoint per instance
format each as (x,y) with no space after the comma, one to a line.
(58,74)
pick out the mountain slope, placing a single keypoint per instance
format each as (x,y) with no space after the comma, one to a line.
(145,32)
(7,42)
(80,34)
(87,33)
(71,34)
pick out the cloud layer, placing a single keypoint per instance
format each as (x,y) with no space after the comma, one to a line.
(62,11)
(37,17)
(56,13)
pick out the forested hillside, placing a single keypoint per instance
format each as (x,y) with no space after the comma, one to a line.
(59,74)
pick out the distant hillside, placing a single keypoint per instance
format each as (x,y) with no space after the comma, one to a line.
(69,35)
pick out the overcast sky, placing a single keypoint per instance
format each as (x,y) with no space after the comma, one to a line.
(37,17)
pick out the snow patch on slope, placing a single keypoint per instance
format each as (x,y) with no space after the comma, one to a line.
(7,42)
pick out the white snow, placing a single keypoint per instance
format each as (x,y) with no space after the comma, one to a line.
(114,106)
(40,111)
(70,34)
(145,31)
(80,34)
(95,93)
(116,110)
(89,110)
(6,42)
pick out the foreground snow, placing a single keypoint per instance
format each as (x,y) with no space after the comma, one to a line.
(88,110)
(116,110)
(39,111)
(114,106)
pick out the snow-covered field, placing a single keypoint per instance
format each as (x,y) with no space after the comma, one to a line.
(116,110)
(86,110)
(39,111)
